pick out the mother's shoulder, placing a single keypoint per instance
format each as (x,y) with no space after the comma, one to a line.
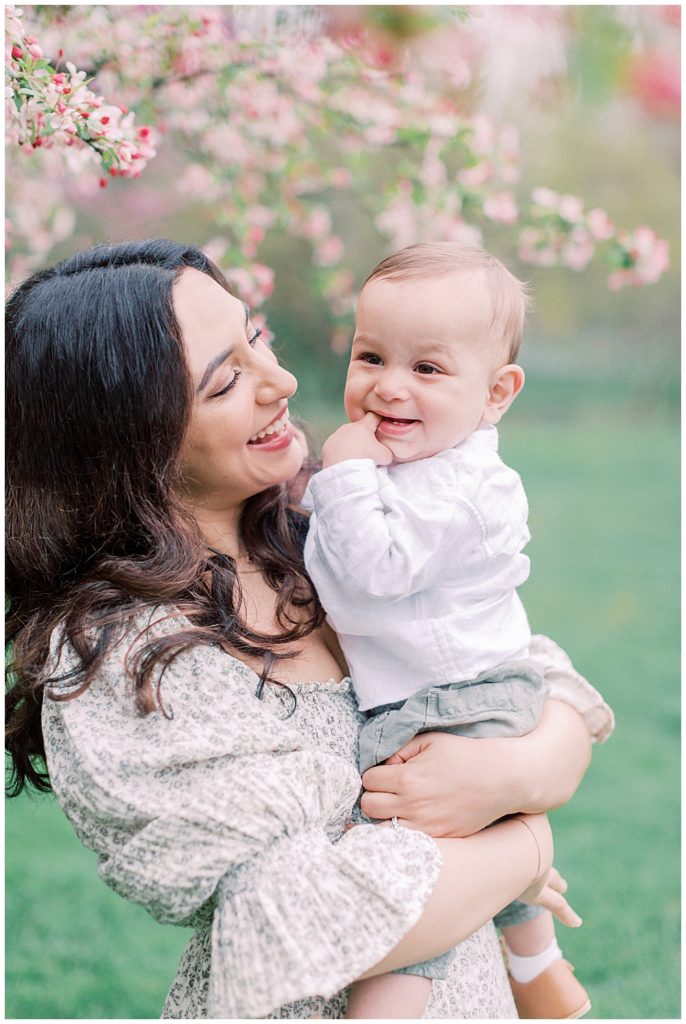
(205,663)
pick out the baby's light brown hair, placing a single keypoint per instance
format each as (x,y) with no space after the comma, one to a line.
(509,296)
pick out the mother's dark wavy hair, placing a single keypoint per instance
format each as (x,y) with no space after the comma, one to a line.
(98,400)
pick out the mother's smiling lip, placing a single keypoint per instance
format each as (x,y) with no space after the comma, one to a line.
(283,411)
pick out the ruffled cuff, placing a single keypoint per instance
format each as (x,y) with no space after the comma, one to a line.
(567,685)
(308,917)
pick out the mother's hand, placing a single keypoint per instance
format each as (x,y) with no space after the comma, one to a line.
(438,783)
(449,785)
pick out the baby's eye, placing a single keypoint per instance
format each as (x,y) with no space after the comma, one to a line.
(371,358)
(426,368)
(255,335)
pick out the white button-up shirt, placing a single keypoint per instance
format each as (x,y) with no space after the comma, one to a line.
(417,566)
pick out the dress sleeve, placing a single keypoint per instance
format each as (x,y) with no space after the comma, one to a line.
(567,685)
(216,804)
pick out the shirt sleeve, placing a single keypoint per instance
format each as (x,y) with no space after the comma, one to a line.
(215,804)
(567,685)
(377,543)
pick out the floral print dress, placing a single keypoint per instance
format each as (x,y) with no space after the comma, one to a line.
(220,812)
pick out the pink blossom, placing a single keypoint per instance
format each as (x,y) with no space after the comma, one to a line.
(509,174)
(599,224)
(535,247)
(399,221)
(329,251)
(196,181)
(380,134)
(264,278)
(651,254)
(473,177)
(483,135)
(254,283)
(444,124)
(317,224)
(255,237)
(340,177)
(571,208)
(433,173)
(579,250)
(502,207)
(649,257)
(655,77)
(545,197)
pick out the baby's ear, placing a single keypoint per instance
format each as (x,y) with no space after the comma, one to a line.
(506,383)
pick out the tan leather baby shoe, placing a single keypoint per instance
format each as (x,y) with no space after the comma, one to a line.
(554,995)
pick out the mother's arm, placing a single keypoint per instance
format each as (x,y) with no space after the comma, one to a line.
(453,786)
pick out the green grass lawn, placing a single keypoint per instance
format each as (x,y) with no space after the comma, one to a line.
(604,518)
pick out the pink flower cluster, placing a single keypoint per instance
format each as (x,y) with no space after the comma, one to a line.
(285,118)
(47,107)
(644,258)
(563,234)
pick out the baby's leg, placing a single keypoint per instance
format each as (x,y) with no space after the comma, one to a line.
(389,996)
(542,981)
(530,937)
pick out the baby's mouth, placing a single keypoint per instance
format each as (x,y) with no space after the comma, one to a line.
(396,419)
(395,426)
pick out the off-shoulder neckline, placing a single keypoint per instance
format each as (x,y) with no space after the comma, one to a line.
(300,685)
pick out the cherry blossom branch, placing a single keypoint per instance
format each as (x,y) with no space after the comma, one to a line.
(56,108)
(273,126)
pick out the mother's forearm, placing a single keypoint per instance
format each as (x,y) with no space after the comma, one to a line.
(550,762)
(479,876)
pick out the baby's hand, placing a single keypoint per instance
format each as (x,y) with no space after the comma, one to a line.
(356,441)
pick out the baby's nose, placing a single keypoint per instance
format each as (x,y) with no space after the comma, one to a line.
(392,384)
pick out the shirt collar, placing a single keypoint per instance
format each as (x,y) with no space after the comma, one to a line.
(482,437)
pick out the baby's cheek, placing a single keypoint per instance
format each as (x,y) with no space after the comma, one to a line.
(353,408)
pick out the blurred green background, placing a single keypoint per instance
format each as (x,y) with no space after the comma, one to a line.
(595,436)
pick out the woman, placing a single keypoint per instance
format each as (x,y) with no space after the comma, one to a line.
(196,722)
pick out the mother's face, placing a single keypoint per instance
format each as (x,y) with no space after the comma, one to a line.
(239,441)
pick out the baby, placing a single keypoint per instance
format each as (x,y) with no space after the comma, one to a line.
(415,548)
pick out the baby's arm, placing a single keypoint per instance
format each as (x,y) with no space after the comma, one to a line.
(373,538)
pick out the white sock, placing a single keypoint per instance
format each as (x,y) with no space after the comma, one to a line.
(526,968)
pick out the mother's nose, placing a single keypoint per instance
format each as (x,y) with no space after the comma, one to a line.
(275,382)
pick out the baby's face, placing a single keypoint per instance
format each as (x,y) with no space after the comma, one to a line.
(422,359)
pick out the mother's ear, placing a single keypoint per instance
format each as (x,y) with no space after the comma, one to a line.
(506,383)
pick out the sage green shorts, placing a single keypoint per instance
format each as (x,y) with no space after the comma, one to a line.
(504,701)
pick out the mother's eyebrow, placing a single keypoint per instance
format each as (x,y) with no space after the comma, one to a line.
(219,359)
(212,366)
